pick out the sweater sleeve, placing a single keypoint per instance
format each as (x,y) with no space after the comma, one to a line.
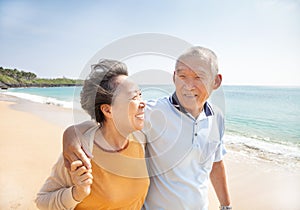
(56,193)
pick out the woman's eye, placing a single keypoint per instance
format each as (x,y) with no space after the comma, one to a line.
(137,96)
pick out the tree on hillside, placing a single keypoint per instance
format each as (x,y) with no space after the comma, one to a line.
(28,75)
(17,75)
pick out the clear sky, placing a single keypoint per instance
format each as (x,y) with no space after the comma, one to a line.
(257,41)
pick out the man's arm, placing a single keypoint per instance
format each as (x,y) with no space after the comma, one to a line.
(219,182)
(73,144)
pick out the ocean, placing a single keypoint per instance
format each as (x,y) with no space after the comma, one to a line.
(261,121)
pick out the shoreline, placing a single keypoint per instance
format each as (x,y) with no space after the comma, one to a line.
(26,158)
(262,148)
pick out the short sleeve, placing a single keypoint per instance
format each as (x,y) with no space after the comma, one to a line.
(220,152)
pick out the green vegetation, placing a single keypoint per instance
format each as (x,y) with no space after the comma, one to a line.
(16,78)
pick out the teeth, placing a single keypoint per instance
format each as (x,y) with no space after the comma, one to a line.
(141,116)
(190,95)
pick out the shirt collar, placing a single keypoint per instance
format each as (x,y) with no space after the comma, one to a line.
(206,108)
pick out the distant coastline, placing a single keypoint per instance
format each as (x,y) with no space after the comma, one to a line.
(13,78)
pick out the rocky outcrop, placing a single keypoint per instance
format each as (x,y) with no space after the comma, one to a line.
(6,86)
(3,86)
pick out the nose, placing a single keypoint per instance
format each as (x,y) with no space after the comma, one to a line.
(189,84)
(142,104)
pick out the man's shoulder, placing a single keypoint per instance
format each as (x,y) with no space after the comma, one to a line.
(215,109)
(217,114)
(159,103)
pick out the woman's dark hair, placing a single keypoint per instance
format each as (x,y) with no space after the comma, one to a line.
(100,86)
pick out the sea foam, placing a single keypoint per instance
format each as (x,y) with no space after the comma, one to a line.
(287,154)
(42,99)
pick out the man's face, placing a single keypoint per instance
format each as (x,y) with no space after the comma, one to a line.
(193,80)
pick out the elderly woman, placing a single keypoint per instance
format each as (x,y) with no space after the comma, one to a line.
(118,178)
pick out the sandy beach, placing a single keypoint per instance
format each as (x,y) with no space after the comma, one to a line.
(30,142)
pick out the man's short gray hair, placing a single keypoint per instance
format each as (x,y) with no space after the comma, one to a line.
(204,54)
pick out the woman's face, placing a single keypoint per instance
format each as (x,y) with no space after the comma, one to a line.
(127,106)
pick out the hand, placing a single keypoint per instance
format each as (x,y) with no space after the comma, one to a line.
(75,148)
(82,179)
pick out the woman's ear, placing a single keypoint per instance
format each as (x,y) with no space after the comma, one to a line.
(106,110)
(217,82)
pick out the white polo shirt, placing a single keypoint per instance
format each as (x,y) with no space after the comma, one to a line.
(180,154)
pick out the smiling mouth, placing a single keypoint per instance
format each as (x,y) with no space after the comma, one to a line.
(140,116)
(190,95)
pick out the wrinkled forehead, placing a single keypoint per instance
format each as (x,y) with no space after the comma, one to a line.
(195,64)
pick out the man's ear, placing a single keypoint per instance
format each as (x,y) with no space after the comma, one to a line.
(106,110)
(174,76)
(217,81)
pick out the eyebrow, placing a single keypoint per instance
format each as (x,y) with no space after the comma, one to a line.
(197,72)
(134,91)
